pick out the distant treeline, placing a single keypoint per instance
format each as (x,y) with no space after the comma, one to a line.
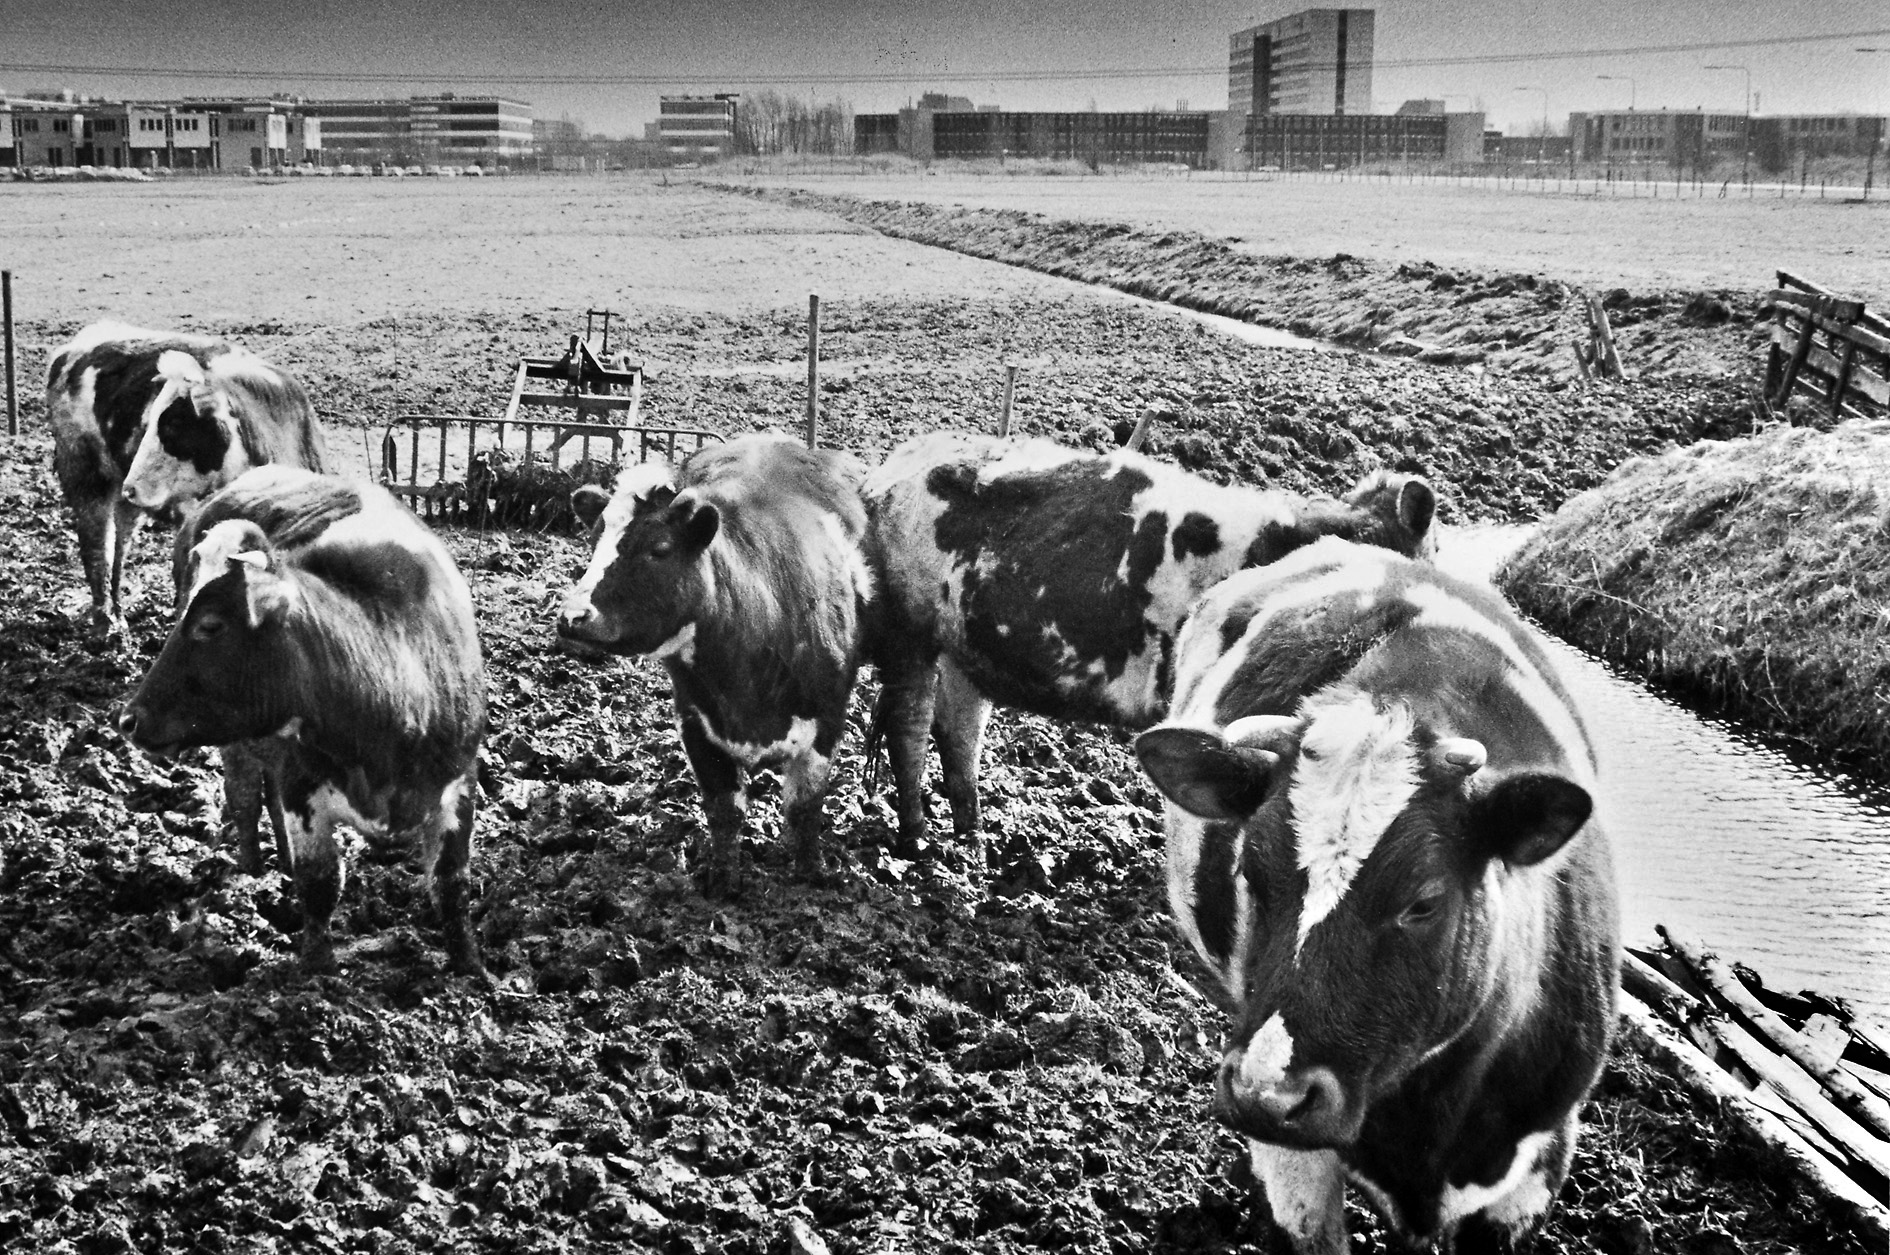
(768,123)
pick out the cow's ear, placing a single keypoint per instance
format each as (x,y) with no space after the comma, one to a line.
(268,595)
(588,502)
(1203,774)
(698,524)
(1524,818)
(1417,507)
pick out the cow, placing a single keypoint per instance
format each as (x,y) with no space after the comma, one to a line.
(1381,840)
(322,619)
(149,422)
(1053,580)
(743,571)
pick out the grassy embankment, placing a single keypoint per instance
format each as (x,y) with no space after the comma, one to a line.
(1751,576)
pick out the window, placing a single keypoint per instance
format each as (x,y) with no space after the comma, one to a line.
(62,126)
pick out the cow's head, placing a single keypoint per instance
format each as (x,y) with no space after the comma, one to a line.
(224,672)
(1378,860)
(1396,513)
(647,575)
(190,444)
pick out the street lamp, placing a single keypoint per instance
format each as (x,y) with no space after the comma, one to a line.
(1745,163)
(1542,140)
(1621,78)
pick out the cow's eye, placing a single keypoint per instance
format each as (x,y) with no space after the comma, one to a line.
(1423,910)
(663,548)
(207,628)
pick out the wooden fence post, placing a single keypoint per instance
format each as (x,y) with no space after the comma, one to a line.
(6,316)
(813,370)
(1004,415)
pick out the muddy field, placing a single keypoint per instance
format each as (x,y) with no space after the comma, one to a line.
(910,1057)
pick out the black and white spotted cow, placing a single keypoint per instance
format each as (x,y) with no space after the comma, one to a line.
(321,619)
(1054,580)
(148,422)
(742,570)
(1381,839)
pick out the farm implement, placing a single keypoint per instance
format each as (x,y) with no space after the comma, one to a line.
(518,470)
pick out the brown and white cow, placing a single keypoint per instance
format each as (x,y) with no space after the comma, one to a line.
(742,570)
(1381,839)
(1054,580)
(322,619)
(148,422)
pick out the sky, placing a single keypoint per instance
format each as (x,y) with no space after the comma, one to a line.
(878,55)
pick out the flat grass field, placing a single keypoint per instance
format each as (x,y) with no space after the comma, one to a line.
(1631,239)
(348,249)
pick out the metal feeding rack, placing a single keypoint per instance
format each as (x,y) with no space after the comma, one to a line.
(519,471)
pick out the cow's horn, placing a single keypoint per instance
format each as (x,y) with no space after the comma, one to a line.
(255,559)
(1462,754)
(1260,730)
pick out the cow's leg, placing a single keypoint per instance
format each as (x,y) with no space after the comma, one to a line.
(125,521)
(723,786)
(91,489)
(803,802)
(244,785)
(446,853)
(958,720)
(318,870)
(907,693)
(1306,1192)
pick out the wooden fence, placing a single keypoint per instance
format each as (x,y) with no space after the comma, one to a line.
(1828,347)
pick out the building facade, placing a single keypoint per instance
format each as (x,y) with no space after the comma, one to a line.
(1318,61)
(698,128)
(470,131)
(1092,138)
(1336,141)
(1672,139)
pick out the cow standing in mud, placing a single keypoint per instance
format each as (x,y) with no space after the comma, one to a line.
(1380,839)
(742,570)
(149,422)
(321,619)
(1054,581)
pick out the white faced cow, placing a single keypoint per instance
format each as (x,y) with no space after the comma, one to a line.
(149,422)
(1054,580)
(323,620)
(743,572)
(1381,840)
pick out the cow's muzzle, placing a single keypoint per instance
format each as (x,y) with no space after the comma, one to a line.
(580,621)
(1304,1108)
(139,727)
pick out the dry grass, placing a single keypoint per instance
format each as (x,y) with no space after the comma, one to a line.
(1753,575)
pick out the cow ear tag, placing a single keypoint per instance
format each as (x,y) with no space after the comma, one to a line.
(1203,774)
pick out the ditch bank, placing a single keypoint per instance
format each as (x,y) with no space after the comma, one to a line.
(1747,576)
(1509,322)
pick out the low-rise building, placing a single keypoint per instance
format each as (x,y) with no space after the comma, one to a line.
(1674,138)
(698,128)
(1317,141)
(489,131)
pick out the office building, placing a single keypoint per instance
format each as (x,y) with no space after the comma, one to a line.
(1318,61)
(698,128)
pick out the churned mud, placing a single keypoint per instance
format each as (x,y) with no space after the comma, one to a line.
(908,1057)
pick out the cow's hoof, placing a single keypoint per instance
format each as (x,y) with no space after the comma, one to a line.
(473,971)
(319,960)
(720,879)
